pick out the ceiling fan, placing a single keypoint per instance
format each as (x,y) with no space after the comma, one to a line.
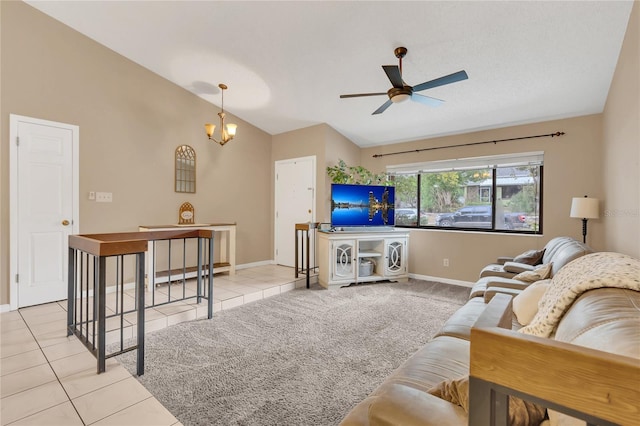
(400,91)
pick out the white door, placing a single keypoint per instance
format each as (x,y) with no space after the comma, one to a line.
(295,190)
(44,208)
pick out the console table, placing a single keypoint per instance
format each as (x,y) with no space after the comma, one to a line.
(346,257)
(225,233)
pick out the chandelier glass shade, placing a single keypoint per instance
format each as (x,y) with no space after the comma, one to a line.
(227,131)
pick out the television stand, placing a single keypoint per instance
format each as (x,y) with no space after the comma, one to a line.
(346,257)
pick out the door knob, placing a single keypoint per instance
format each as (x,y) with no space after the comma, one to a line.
(65,222)
(309,210)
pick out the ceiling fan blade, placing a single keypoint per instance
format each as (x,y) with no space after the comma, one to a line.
(357,95)
(427,100)
(393,72)
(382,107)
(447,79)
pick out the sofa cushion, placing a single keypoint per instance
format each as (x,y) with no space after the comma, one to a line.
(606,319)
(562,250)
(516,267)
(402,405)
(597,270)
(441,358)
(541,272)
(482,284)
(559,251)
(459,324)
(530,257)
(525,304)
(496,270)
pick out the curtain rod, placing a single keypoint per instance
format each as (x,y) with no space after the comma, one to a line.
(470,144)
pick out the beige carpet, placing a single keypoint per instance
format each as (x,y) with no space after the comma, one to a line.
(302,358)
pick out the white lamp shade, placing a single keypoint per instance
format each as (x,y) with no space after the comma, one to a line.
(585,208)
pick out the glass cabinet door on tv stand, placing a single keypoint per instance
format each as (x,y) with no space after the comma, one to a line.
(343,268)
(395,257)
(354,257)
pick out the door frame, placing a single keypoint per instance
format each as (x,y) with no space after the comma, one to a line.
(14,120)
(275,196)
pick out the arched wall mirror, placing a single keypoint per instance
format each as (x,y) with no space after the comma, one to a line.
(185,169)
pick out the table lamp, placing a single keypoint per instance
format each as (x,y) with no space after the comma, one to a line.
(584,208)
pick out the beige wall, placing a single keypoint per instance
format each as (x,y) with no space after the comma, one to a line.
(572,168)
(130,123)
(338,148)
(621,160)
(327,145)
(306,142)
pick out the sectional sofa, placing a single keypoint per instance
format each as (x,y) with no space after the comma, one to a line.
(592,301)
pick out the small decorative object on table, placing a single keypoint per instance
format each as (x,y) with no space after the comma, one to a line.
(187,214)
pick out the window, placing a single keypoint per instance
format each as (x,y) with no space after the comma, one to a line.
(501,193)
(185,175)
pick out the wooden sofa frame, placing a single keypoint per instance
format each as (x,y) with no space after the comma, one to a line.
(599,387)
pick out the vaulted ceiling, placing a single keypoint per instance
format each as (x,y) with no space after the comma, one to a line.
(286,63)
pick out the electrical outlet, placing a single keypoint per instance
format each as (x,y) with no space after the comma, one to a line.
(445,262)
(104,197)
(92,195)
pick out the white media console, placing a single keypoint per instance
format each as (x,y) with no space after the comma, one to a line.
(346,257)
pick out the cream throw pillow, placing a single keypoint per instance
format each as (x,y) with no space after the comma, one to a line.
(541,272)
(559,419)
(525,304)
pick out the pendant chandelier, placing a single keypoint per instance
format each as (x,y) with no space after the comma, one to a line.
(228,131)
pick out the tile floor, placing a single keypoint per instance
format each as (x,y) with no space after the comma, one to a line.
(47,378)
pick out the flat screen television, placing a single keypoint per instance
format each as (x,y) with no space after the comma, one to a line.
(362,205)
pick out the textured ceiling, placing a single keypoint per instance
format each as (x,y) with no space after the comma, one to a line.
(286,63)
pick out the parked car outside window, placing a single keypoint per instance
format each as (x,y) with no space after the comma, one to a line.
(406,216)
(480,217)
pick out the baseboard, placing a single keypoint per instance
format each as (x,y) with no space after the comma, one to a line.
(442,280)
(255,264)
(5,308)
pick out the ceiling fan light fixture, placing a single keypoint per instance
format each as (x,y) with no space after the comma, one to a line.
(401,92)
(402,97)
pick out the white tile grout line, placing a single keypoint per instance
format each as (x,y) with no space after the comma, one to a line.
(54,373)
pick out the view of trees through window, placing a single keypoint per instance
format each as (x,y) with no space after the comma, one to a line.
(498,198)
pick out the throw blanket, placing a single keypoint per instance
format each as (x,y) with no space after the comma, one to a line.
(596,270)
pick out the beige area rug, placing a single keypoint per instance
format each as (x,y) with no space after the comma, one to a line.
(301,358)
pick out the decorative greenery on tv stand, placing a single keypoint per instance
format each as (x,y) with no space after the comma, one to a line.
(342,173)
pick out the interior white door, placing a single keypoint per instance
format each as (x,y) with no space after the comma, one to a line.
(45,208)
(295,190)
